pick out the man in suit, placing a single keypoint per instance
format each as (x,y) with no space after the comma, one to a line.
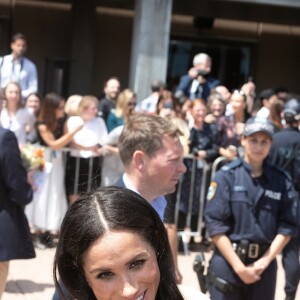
(15,193)
(198,82)
(152,155)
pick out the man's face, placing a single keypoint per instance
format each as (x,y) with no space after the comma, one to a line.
(204,66)
(18,48)
(112,89)
(163,170)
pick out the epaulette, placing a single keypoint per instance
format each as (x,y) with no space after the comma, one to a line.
(232,165)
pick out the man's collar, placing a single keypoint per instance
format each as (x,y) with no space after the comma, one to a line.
(128,184)
(11,58)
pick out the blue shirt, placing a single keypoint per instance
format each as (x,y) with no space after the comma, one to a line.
(159,203)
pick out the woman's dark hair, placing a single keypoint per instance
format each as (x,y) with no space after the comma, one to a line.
(87,219)
(47,113)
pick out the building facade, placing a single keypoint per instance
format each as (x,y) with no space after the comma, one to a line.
(77,45)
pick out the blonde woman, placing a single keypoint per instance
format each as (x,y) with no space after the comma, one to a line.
(125,106)
(86,144)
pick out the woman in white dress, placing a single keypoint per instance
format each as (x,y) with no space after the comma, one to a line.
(83,170)
(15,117)
(48,208)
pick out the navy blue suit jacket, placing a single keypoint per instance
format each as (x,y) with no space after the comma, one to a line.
(15,193)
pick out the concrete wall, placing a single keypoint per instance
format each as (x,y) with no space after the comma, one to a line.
(113,48)
(279,62)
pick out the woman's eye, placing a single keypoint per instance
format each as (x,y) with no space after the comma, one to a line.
(105,275)
(137,264)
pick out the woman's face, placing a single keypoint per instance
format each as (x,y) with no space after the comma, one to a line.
(257,147)
(131,105)
(217,108)
(237,102)
(90,112)
(199,112)
(12,94)
(121,265)
(60,111)
(33,103)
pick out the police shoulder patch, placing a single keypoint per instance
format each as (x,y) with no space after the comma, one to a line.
(211,190)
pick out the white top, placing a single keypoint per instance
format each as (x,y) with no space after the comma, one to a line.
(264,112)
(22,71)
(148,105)
(92,133)
(19,123)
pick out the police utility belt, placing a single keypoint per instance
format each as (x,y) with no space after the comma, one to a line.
(247,250)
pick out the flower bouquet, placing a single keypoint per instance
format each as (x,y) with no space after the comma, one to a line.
(32,157)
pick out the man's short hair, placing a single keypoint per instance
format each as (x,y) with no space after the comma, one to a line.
(109,79)
(18,36)
(156,85)
(200,58)
(145,133)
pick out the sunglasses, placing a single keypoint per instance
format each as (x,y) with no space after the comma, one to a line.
(131,104)
(239,92)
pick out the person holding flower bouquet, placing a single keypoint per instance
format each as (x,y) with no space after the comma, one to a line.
(50,203)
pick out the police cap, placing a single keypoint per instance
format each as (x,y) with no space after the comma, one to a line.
(256,124)
(291,109)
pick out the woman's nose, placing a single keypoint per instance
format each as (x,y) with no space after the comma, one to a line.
(129,288)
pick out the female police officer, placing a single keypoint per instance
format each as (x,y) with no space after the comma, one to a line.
(251,213)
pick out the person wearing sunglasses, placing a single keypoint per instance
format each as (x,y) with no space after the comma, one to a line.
(126,103)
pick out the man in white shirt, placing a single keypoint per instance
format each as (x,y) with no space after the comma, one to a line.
(16,67)
(149,105)
(152,155)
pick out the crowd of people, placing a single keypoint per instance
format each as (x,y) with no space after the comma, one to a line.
(139,144)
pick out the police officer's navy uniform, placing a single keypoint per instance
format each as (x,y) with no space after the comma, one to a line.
(285,153)
(253,210)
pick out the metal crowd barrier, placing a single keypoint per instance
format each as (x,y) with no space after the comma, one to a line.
(65,152)
(207,169)
(208,172)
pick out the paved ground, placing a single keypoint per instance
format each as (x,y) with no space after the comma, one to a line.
(32,279)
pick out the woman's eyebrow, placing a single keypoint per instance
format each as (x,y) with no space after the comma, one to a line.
(142,255)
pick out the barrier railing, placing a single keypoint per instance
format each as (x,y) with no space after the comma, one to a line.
(207,172)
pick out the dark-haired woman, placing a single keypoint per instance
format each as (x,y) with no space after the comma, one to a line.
(50,204)
(106,252)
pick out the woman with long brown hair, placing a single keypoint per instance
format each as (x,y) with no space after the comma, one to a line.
(50,205)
